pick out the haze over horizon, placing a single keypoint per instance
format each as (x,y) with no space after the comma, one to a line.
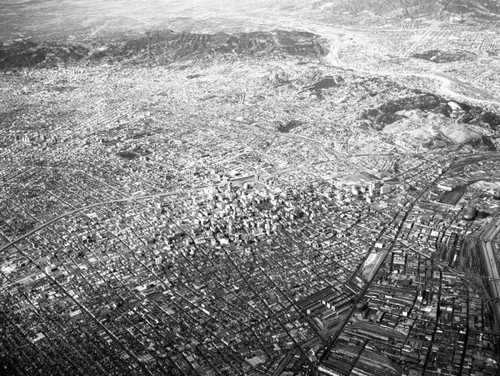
(79,19)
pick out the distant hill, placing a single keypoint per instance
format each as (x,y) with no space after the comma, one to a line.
(432,9)
(163,47)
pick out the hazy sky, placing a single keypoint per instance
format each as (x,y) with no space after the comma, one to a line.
(66,19)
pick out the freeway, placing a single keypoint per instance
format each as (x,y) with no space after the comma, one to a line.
(108,202)
(490,263)
(317,143)
(156,195)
